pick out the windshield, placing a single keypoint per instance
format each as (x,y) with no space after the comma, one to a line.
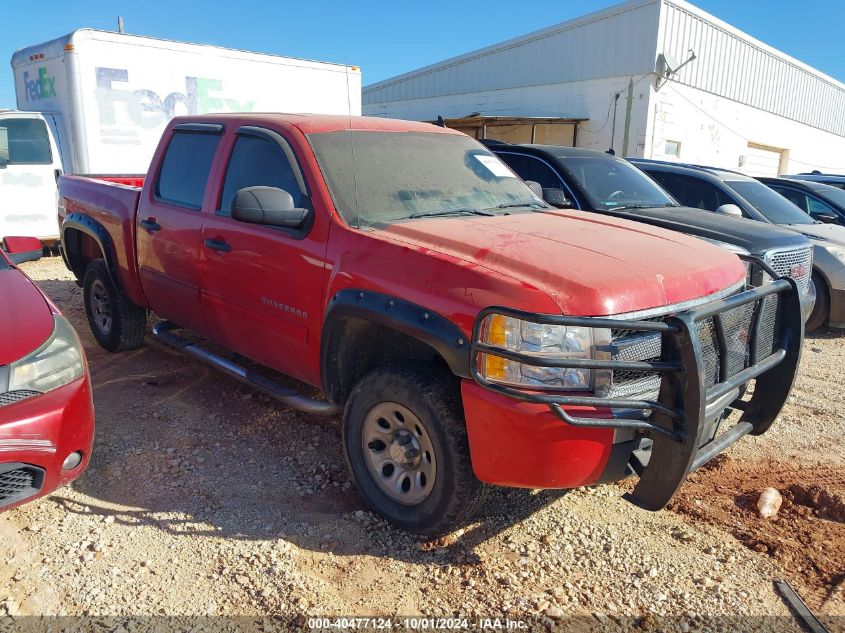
(24,142)
(771,204)
(383,177)
(614,183)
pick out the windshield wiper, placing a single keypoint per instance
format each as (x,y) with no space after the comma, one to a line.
(458,211)
(511,205)
(626,207)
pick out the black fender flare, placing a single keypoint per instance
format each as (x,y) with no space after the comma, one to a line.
(96,231)
(415,321)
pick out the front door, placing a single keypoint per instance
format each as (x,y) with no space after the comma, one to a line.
(262,285)
(169,227)
(29,165)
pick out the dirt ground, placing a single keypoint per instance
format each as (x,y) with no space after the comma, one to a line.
(206,499)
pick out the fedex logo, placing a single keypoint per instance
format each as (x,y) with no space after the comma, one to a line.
(40,87)
(149,109)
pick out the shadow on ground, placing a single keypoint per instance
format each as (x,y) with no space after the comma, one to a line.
(184,449)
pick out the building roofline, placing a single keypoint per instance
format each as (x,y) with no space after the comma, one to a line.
(599,15)
(516,41)
(721,24)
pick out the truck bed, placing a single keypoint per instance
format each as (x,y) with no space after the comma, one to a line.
(131,180)
(111,202)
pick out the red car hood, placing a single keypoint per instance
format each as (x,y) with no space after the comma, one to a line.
(26,320)
(588,263)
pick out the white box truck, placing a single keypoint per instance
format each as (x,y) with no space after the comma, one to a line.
(96,102)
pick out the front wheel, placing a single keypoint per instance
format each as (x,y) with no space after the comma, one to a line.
(117,323)
(405,441)
(821,309)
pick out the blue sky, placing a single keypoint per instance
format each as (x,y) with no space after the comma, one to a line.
(388,38)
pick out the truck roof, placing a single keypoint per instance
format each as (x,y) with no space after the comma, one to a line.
(316,123)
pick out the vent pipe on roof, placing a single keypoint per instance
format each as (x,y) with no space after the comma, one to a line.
(120,24)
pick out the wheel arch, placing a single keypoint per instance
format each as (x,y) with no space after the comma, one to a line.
(364,330)
(83,240)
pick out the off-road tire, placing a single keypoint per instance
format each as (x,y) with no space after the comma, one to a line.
(821,310)
(128,321)
(433,395)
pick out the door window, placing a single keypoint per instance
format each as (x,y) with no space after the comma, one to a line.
(24,142)
(797,198)
(185,168)
(816,207)
(256,162)
(691,191)
(530,168)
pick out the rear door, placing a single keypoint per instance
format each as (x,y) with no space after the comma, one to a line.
(29,165)
(170,220)
(262,285)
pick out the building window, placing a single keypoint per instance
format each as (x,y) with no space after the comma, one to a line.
(673,148)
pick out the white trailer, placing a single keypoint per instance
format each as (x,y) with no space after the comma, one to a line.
(105,98)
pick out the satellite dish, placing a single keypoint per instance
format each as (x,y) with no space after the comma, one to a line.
(666,65)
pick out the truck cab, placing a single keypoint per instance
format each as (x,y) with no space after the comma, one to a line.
(30,164)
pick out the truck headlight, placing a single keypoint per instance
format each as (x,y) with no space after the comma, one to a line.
(57,362)
(560,341)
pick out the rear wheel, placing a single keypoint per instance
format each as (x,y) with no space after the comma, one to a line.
(405,441)
(821,310)
(117,323)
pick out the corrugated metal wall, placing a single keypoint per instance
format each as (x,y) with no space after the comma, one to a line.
(732,67)
(616,42)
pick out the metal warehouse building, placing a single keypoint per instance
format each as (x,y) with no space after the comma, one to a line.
(650,78)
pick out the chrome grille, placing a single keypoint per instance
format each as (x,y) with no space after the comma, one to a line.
(10,397)
(796,263)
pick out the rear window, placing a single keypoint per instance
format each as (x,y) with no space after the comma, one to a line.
(185,168)
(24,142)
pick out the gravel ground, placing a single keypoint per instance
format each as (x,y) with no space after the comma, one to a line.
(205,498)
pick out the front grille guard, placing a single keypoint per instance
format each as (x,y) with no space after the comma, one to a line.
(676,420)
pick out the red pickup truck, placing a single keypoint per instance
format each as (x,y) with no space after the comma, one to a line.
(466,331)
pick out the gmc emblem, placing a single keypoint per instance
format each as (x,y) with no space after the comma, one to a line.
(797,271)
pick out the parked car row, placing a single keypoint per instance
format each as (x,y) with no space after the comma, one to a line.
(713,189)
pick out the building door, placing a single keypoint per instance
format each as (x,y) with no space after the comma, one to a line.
(761,160)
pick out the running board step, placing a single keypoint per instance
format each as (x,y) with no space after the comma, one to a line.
(164,332)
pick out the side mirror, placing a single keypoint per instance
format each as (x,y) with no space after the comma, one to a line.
(268,205)
(556,198)
(23,249)
(730,209)
(535,187)
(827,218)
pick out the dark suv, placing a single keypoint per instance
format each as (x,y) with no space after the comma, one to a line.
(834,180)
(727,191)
(595,181)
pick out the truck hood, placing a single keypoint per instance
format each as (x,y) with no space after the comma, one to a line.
(755,237)
(821,232)
(26,319)
(587,263)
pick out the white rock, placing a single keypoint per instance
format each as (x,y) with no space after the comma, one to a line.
(769,503)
